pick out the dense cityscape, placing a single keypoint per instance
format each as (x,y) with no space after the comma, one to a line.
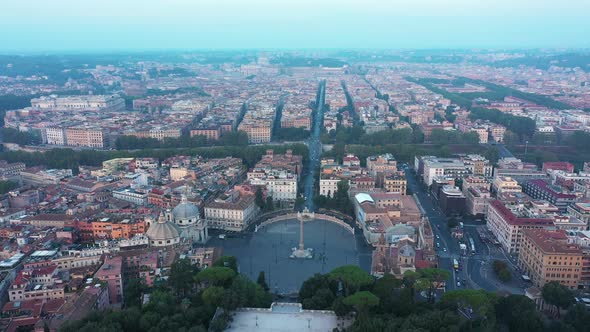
(325,183)
(251,166)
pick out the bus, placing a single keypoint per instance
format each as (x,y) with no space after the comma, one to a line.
(472,245)
(455,264)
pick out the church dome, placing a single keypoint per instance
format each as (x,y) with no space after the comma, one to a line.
(162,233)
(407,251)
(185,210)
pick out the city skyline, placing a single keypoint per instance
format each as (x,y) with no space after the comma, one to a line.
(229,24)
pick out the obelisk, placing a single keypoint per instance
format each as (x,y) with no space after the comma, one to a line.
(301,234)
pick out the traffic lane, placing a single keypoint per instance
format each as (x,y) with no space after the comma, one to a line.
(479,274)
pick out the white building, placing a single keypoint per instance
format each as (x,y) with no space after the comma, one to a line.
(233,213)
(281,185)
(79,103)
(130,195)
(53,136)
(329,186)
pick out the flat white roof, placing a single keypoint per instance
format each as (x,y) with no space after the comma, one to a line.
(284,317)
(363,197)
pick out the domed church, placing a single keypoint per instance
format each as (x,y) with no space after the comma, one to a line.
(187,218)
(162,233)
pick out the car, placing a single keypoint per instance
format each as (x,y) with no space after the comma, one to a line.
(437,236)
(445,249)
(458,284)
(438,244)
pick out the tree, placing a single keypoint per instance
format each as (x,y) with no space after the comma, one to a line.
(216,275)
(409,281)
(362,301)
(6,186)
(259,200)
(11,135)
(518,313)
(213,296)
(313,285)
(353,278)
(479,303)
(227,261)
(262,281)
(558,295)
(182,274)
(431,279)
(511,138)
(134,288)
(578,318)
(269,205)
(340,308)
(502,271)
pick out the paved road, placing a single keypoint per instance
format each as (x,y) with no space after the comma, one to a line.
(315,148)
(504,153)
(476,270)
(438,221)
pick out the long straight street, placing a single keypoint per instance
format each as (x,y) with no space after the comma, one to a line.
(315,147)
(475,268)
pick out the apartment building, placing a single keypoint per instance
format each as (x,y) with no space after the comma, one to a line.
(482,134)
(131,195)
(540,189)
(111,272)
(385,163)
(474,181)
(505,184)
(40,176)
(296,122)
(10,170)
(395,183)
(478,165)
(86,137)
(476,200)
(232,211)
(257,132)
(106,228)
(546,256)
(53,136)
(497,132)
(329,185)
(435,167)
(580,211)
(36,283)
(507,225)
(210,133)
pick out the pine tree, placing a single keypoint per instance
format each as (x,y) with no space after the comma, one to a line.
(262,281)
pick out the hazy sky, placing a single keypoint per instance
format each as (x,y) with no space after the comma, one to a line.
(90,25)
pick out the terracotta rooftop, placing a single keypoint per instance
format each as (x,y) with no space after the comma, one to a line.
(552,241)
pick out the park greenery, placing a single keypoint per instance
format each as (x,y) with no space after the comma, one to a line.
(522,126)
(10,135)
(186,301)
(412,303)
(6,186)
(184,141)
(69,158)
(292,134)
